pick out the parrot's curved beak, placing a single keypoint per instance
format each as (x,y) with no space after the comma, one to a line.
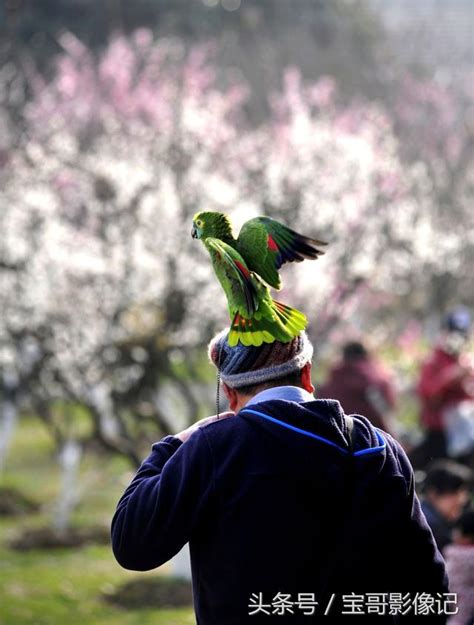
(194,233)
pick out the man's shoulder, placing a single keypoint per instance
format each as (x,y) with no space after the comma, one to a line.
(400,462)
(222,426)
(209,436)
(231,433)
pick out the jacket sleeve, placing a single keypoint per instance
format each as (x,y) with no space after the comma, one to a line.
(164,502)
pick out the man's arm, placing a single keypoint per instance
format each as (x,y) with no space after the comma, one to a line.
(425,569)
(162,505)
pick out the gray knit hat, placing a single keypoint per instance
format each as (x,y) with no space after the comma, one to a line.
(242,366)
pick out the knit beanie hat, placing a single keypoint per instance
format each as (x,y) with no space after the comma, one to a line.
(242,366)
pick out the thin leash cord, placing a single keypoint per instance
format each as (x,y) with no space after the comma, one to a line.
(218,381)
(218,391)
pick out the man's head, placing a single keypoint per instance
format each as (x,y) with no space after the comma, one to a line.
(354,351)
(456,328)
(245,371)
(446,486)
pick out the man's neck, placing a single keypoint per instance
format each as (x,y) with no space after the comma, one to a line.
(288,393)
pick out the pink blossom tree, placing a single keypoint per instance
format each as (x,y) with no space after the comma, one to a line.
(336,171)
(100,272)
(434,119)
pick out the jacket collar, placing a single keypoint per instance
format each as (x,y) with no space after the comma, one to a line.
(288,393)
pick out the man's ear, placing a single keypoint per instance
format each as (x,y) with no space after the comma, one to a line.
(231,395)
(306,378)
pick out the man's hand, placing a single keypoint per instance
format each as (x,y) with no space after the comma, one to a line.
(185,434)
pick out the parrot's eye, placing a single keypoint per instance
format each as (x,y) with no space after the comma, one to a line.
(199,223)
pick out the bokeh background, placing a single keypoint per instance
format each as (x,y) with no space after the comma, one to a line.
(350,121)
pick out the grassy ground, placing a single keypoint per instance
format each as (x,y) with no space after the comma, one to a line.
(67,585)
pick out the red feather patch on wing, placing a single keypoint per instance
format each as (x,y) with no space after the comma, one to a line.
(271,244)
(243,269)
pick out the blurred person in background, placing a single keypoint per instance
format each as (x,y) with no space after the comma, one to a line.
(460,566)
(446,393)
(446,491)
(362,386)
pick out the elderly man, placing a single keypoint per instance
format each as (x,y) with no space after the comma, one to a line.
(291,509)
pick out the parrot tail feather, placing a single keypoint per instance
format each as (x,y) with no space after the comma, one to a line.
(292,319)
(284,326)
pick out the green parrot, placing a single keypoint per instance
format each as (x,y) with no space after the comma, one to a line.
(247,266)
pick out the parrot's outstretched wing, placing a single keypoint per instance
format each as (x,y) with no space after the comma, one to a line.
(234,276)
(266,245)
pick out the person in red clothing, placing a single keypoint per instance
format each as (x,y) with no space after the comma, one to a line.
(446,381)
(361,385)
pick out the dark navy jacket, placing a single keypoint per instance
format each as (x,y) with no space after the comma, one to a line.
(264,499)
